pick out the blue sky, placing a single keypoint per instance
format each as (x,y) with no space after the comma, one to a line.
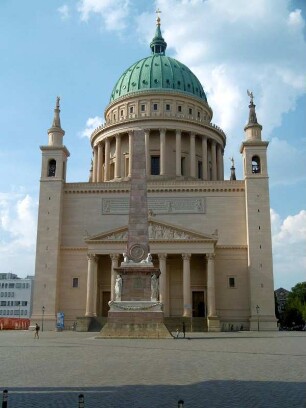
(78,50)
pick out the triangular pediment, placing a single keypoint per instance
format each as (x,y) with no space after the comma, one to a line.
(158,231)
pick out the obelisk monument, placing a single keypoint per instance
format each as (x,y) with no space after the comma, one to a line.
(136,311)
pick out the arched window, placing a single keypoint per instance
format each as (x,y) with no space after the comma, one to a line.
(52,168)
(255,164)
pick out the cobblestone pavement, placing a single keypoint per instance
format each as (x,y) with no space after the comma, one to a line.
(244,369)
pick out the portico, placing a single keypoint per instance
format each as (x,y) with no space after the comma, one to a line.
(182,273)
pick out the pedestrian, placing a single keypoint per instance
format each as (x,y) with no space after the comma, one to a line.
(177,333)
(184,329)
(37,328)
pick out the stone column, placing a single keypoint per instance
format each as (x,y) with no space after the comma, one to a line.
(219,162)
(114,258)
(99,164)
(91,286)
(106,160)
(162,151)
(147,144)
(163,282)
(178,153)
(222,164)
(204,158)
(186,285)
(192,155)
(211,302)
(130,153)
(213,160)
(95,164)
(118,157)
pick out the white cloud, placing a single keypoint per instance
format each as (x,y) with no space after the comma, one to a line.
(289,242)
(91,125)
(112,12)
(18,226)
(64,12)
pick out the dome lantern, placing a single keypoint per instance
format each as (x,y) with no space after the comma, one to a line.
(158,44)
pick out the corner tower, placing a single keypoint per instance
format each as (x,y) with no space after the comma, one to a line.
(258,223)
(53,177)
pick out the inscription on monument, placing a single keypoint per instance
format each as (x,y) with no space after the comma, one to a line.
(183,205)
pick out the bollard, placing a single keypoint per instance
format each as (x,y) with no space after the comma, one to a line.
(180,404)
(4,399)
(81,401)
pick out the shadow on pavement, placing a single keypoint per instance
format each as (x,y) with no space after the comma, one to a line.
(211,394)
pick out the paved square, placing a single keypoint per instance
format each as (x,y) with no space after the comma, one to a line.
(245,369)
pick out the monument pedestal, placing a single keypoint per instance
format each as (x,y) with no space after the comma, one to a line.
(135,319)
(136,313)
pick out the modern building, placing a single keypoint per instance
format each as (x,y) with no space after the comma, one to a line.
(15,296)
(210,237)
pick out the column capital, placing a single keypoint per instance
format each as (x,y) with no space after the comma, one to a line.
(162,257)
(92,257)
(131,132)
(204,137)
(192,134)
(210,257)
(147,131)
(162,130)
(178,131)
(114,257)
(213,142)
(186,257)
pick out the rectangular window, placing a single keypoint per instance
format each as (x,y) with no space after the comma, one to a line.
(18,285)
(155,165)
(167,107)
(75,282)
(11,285)
(155,106)
(231,282)
(121,112)
(143,108)
(199,115)
(25,312)
(3,303)
(179,108)
(190,111)
(131,109)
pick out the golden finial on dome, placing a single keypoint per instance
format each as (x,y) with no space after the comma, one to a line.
(158,18)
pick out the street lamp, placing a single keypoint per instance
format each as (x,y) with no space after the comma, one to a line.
(42,318)
(257,311)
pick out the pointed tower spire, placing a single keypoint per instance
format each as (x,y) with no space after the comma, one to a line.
(56,132)
(57,120)
(158,44)
(253,128)
(233,173)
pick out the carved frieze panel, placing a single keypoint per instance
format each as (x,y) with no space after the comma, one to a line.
(177,205)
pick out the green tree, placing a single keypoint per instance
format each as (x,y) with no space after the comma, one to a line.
(295,312)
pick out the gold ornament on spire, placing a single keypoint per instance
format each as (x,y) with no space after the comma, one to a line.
(158,18)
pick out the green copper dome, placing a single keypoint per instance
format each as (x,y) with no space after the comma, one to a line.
(159,73)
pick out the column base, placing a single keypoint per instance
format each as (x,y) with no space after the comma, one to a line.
(83,323)
(213,324)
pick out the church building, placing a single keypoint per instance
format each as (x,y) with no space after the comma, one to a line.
(210,237)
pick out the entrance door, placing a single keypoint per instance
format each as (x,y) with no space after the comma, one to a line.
(198,305)
(105,299)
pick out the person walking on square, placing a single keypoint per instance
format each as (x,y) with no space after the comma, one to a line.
(37,328)
(184,329)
